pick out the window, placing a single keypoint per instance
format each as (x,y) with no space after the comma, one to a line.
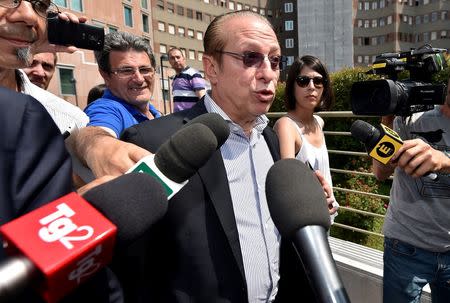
(382,22)
(254,9)
(405,18)
(382,4)
(199,56)
(238,6)
(223,3)
(181,31)
(180,10)
(359,59)
(170,7)
(444,15)
(426,37)
(183,51)
(199,35)
(144,4)
(366,6)
(433,35)
(290,60)
(262,12)
(67,81)
(160,4)
(418,20)
(374,22)
(199,16)
(360,23)
(360,6)
(374,41)
(288,7)
(366,23)
(112,29)
(426,18)
(76,5)
(288,25)
(191,54)
(426,2)
(410,20)
(190,33)
(366,59)
(434,16)
(128,16)
(289,43)
(443,34)
(171,29)
(206,1)
(189,13)
(161,26)
(374,5)
(162,49)
(389,20)
(145,25)
(231,5)
(246,7)
(62,3)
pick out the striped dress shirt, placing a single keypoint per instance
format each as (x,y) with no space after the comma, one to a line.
(247,161)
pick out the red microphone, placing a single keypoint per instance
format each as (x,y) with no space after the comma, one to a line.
(58,246)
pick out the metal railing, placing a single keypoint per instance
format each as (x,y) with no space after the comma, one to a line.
(337,115)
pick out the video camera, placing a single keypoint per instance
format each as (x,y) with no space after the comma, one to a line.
(402,97)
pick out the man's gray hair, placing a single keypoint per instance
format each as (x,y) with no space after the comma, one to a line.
(122,42)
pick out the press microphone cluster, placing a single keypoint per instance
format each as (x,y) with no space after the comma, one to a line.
(381,143)
(299,210)
(65,242)
(62,244)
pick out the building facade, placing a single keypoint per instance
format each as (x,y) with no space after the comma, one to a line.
(383,26)
(77,73)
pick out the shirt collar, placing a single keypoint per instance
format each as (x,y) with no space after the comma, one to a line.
(130,108)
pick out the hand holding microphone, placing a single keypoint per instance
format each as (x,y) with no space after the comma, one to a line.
(415,157)
(62,244)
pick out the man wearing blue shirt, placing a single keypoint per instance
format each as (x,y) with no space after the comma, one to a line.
(127,65)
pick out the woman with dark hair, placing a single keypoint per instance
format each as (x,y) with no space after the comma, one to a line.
(308,90)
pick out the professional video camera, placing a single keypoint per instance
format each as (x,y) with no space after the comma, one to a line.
(402,97)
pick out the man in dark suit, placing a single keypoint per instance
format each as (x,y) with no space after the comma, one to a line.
(217,242)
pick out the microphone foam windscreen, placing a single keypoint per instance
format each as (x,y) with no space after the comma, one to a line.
(217,125)
(185,152)
(295,197)
(365,133)
(133,202)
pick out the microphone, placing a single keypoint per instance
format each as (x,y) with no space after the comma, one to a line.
(178,158)
(381,143)
(62,244)
(299,210)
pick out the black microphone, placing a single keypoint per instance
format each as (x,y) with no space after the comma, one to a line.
(60,245)
(299,210)
(381,143)
(187,150)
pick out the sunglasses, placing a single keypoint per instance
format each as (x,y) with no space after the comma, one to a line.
(255,59)
(303,81)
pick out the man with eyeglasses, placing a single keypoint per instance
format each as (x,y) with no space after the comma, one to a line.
(217,242)
(188,85)
(35,166)
(23,34)
(127,66)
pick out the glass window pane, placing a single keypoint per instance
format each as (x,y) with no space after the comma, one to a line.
(128,16)
(145,25)
(62,3)
(76,5)
(67,81)
(144,4)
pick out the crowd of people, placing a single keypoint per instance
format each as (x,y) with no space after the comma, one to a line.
(217,241)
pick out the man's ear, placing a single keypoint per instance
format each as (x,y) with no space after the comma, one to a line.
(211,68)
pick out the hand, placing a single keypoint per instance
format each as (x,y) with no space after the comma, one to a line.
(328,191)
(111,156)
(45,46)
(82,190)
(417,158)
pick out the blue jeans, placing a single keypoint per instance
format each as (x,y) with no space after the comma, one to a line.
(407,269)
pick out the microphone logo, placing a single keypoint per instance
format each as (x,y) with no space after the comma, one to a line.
(385,149)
